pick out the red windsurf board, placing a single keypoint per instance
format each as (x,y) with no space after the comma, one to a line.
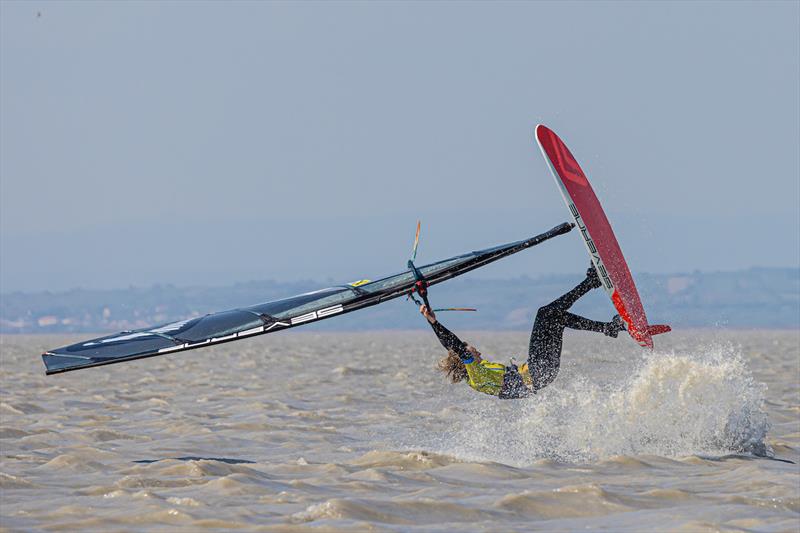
(598,236)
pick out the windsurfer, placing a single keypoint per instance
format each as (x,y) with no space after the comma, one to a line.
(464,362)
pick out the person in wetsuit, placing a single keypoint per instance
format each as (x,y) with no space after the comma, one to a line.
(464,362)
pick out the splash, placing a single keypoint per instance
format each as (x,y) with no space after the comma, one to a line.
(674,404)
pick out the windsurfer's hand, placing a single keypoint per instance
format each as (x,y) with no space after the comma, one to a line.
(429,315)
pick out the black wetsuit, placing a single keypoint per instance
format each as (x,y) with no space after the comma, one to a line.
(544,349)
(451,342)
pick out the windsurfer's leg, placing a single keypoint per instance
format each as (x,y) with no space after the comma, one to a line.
(592,281)
(610,329)
(544,348)
(573,321)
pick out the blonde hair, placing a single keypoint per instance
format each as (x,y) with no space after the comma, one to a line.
(453,367)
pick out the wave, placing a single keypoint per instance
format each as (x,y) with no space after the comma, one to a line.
(398,512)
(412,460)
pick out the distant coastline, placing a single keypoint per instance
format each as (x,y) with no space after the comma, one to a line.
(754,298)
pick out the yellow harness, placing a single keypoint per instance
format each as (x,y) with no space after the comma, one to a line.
(487,377)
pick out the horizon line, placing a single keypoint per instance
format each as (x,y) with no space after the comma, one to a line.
(333,281)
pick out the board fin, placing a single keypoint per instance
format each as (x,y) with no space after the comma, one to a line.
(657,329)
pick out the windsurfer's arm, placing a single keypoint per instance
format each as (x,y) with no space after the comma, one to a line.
(448,339)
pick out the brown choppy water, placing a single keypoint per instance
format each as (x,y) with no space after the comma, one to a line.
(322,432)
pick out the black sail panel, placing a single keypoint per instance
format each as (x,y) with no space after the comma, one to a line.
(272,316)
(296,304)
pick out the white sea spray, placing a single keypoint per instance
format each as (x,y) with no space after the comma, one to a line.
(672,404)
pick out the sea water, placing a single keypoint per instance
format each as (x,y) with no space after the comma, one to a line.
(344,431)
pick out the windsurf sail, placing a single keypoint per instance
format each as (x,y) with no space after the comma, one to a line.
(245,322)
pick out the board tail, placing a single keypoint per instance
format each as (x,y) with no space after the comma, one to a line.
(657,329)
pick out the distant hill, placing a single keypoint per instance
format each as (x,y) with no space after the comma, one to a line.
(754,298)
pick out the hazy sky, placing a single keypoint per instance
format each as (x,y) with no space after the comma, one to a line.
(222,142)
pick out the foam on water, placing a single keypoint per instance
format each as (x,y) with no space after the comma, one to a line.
(672,404)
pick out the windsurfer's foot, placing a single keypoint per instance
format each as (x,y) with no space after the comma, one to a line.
(592,277)
(614,327)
